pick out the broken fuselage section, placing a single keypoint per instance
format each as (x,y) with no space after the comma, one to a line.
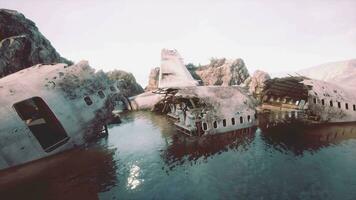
(207,110)
(303,100)
(46,109)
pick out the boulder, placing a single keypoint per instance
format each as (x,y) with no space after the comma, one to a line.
(22,45)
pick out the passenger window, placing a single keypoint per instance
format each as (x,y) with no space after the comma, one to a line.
(331,103)
(205,126)
(323,102)
(314,100)
(215,124)
(354,107)
(346,106)
(113,89)
(248,118)
(241,120)
(88,100)
(101,94)
(224,122)
(233,121)
(338,104)
(42,123)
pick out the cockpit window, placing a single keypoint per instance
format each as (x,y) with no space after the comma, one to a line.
(101,94)
(88,100)
(42,122)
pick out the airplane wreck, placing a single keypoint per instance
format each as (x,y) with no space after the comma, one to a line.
(304,100)
(47,109)
(198,110)
(205,110)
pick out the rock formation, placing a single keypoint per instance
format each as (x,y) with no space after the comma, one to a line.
(22,45)
(256,82)
(126,82)
(153,79)
(222,72)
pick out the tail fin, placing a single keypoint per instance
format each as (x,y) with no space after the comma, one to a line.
(173,73)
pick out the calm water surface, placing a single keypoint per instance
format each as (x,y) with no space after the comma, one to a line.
(145,158)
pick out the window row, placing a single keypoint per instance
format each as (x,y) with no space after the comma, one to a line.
(101,94)
(233,122)
(331,104)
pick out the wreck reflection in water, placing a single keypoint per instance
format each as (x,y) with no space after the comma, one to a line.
(190,149)
(145,158)
(300,138)
(75,174)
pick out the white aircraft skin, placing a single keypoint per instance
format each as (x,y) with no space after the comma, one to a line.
(325,103)
(62,89)
(226,104)
(330,102)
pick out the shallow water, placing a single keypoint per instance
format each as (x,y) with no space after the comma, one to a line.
(145,158)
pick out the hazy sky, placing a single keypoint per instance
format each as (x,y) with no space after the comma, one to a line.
(269,35)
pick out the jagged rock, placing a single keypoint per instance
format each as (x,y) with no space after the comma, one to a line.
(223,72)
(22,45)
(153,79)
(126,82)
(256,83)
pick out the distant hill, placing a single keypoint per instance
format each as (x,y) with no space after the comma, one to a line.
(341,72)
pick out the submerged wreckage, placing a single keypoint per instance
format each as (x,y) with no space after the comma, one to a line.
(65,106)
(204,110)
(46,109)
(198,110)
(304,100)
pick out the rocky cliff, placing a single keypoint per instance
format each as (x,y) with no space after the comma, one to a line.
(22,45)
(222,72)
(126,82)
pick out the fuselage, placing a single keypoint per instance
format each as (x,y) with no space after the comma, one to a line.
(47,109)
(308,100)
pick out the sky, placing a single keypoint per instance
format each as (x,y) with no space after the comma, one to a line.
(270,35)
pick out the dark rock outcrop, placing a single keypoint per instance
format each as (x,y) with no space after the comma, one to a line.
(126,82)
(22,45)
